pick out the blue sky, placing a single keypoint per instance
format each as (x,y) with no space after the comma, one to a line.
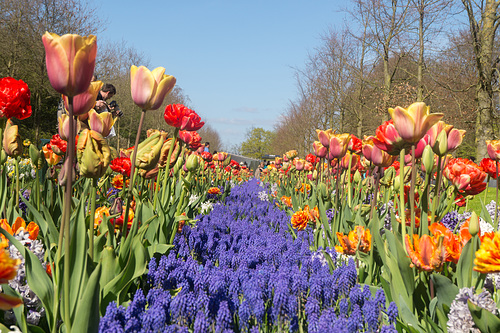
(234,59)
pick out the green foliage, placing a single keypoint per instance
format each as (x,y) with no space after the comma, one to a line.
(257,142)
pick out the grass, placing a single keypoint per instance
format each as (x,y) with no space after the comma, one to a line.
(477,202)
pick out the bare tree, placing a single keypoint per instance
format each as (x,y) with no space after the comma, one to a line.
(483,20)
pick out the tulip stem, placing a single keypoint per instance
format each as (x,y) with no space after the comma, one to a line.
(16,196)
(92,218)
(132,175)
(402,215)
(375,192)
(496,198)
(412,189)
(167,166)
(349,190)
(65,225)
(435,200)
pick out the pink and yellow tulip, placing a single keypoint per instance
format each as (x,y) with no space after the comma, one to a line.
(414,122)
(70,62)
(149,88)
(493,147)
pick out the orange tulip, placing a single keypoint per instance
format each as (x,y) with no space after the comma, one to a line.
(8,271)
(149,88)
(358,239)
(451,241)
(488,256)
(414,122)
(300,220)
(70,62)
(287,201)
(426,253)
(51,157)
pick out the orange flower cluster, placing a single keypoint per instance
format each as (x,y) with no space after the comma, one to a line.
(430,253)
(287,201)
(117,181)
(8,266)
(304,188)
(301,218)
(214,190)
(117,222)
(359,239)
(488,256)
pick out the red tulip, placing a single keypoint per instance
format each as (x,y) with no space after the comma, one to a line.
(355,145)
(179,116)
(388,139)
(466,176)
(489,166)
(14,99)
(121,165)
(190,138)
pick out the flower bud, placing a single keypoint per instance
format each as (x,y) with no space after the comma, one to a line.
(428,159)
(192,163)
(474,224)
(148,152)
(357,177)
(34,155)
(62,178)
(3,157)
(440,148)
(227,161)
(12,143)
(323,191)
(93,153)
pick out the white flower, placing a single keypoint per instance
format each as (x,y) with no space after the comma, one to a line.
(263,196)
(206,207)
(459,319)
(193,198)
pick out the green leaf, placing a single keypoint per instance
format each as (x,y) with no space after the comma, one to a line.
(19,311)
(446,290)
(87,309)
(486,321)
(38,280)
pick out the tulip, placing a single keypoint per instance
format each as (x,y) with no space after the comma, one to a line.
(319,150)
(451,242)
(51,157)
(165,150)
(414,122)
(8,271)
(148,152)
(299,164)
(300,220)
(193,162)
(388,139)
(101,122)
(355,145)
(179,116)
(349,243)
(487,258)
(93,153)
(190,138)
(291,154)
(446,142)
(338,145)
(14,99)
(84,102)
(344,163)
(466,176)
(428,160)
(427,253)
(12,143)
(324,137)
(489,166)
(493,147)
(70,62)
(374,154)
(149,88)
(121,165)
(63,126)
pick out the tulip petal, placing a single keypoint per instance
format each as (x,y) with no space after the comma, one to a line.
(455,138)
(403,123)
(165,86)
(143,86)
(8,302)
(56,61)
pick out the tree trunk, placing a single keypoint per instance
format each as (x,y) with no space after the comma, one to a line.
(483,36)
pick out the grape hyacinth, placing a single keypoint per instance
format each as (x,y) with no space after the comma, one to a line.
(239,269)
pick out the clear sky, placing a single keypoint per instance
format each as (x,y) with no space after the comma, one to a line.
(234,59)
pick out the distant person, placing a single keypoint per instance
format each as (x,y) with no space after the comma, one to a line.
(207,147)
(259,170)
(107,91)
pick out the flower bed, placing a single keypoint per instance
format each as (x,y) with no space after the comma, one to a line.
(239,269)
